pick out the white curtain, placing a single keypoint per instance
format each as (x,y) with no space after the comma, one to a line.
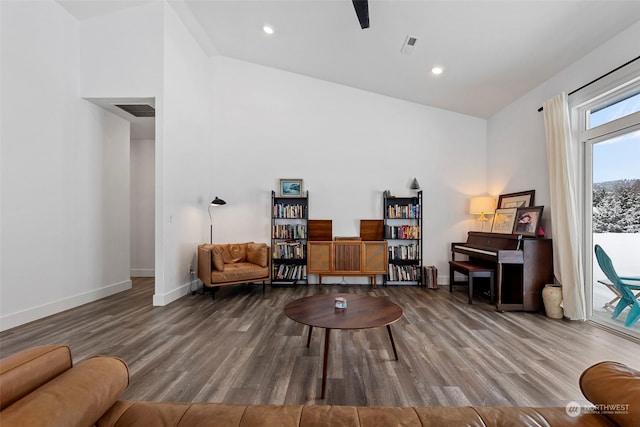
(562,156)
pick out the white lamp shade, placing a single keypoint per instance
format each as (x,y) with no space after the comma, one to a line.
(482,205)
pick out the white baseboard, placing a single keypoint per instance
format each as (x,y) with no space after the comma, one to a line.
(174,294)
(12,320)
(143,272)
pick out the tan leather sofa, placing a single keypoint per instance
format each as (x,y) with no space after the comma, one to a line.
(41,387)
(233,264)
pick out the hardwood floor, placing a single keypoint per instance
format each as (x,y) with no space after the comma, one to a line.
(241,348)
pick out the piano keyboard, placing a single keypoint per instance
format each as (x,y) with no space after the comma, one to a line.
(481,251)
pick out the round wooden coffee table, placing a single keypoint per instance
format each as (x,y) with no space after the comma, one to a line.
(362,312)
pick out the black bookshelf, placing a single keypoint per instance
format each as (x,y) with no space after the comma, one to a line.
(403,233)
(289,233)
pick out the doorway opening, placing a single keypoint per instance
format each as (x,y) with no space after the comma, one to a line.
(140,113)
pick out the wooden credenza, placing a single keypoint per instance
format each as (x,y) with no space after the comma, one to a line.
(347,258)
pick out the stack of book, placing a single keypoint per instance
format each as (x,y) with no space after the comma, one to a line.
(291,272)
(403,211)
(405,252)
(289,250)
(402,232)
(400,273)
(282,210)
(289,231)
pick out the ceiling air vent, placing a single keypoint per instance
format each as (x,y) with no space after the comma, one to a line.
(138,110)
(409,43)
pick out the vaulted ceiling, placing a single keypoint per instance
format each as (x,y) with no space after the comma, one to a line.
(491,52)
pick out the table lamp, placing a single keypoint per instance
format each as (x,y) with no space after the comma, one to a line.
(481,206)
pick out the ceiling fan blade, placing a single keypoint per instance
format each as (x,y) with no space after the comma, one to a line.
(362,10)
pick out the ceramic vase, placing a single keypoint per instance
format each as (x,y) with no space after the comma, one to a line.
(552,298)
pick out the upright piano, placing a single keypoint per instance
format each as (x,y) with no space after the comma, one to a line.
(523,266)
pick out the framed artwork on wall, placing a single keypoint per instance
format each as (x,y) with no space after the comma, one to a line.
(527,220)
(523,199)
(503,220)
(290,187)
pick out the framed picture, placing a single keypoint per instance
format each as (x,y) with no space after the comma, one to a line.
(290,187)
(524,199)
(503,220)
(527,220)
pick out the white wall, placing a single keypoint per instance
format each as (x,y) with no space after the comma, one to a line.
(145,51)
(65,177)
(143,208)
(516,140)
(185,166)
(348,146)
(122,53)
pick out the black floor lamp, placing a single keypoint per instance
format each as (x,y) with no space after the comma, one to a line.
(216,202)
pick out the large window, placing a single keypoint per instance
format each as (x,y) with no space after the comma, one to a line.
(606,121)
(615,219)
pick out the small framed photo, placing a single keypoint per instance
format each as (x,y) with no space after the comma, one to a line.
(290,187)
(523,199)
(503,220)
(527,220)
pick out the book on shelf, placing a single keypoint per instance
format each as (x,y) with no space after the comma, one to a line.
(404,252)
(290,249)
(291,272)
(289,231)
(403,273)
(431,276)
(402,232)
(284,210)
(408,211)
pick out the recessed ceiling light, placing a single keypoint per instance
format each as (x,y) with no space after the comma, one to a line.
(437,70)
(267,29)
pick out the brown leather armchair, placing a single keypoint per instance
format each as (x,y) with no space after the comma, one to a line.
(233,264)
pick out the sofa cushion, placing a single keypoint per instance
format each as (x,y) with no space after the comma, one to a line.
(226,254)
(136,413)
(213,414)
(272,415)
(258,253)
(526,416)
(27,370)
(375,415)
(238,272)
(330,415)
(77,397)
(616,388)
(217,258)
(436,416)
(238,252)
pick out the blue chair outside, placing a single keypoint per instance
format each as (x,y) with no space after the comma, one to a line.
(624,285)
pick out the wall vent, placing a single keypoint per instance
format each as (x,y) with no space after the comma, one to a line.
(409,44)
(138,110)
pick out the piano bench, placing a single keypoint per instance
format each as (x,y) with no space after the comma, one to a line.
(472,271)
